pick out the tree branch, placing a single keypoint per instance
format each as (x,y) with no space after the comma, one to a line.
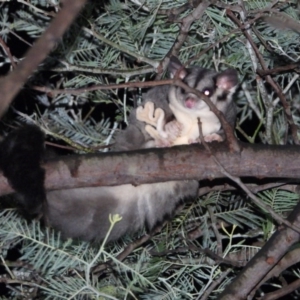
(11,84)
(287,261)
(264,261)
(176,163)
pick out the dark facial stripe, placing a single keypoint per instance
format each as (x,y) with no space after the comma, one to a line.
(199,77)
(223,96)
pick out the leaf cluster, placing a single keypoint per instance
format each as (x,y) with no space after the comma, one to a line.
(203,248)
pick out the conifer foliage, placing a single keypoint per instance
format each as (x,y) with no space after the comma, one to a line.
(80,96)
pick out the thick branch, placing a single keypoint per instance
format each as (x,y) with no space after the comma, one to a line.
(264,260)
(176,163)
(291,258)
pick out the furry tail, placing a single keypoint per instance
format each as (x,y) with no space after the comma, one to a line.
(20,155)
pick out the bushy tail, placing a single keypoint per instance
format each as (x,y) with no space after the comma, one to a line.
(20,155)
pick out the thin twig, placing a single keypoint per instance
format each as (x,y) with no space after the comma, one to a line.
(7,50)
(97,87)
(215,229)
(214,284)
(282,291)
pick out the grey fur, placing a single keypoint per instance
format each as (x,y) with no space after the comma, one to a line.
(84,212)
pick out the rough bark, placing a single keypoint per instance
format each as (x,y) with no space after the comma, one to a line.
(176,163)
(265,260)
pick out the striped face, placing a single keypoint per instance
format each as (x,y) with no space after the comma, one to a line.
(219,87)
